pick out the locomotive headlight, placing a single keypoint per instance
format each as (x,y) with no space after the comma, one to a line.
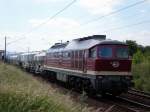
(128,78)
(100,77)
(115,64)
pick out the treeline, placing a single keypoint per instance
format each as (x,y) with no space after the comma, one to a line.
(141,65)
(138,52)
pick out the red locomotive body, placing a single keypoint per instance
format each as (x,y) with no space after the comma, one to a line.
(91,63)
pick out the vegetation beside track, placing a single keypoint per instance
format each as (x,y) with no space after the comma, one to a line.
(141,65)
(141,74)
(21,92)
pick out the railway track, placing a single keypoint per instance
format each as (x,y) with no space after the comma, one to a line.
(136,97)
(139,93)
(100,104)
(97,103)
(118,108)
(133,101)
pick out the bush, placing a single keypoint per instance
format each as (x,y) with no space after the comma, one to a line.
(141,70)
(141,74)
(138,57)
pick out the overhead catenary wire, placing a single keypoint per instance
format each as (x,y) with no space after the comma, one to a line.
(129,25)
(53,16)
(121,20)
(114,12)
(50,18)
(111,13)
(88,22)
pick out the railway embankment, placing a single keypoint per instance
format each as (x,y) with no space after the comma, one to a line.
(21,92)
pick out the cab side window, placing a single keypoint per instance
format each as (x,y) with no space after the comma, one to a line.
(66,54)
(93,53)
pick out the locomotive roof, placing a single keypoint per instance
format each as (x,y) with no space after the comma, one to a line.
(90,43)
(96,37)
(84,43)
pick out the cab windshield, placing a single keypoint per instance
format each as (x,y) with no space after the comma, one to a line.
(105,52)
(122,52)
(113,52)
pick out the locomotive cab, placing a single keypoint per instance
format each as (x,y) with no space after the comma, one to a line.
(112,67)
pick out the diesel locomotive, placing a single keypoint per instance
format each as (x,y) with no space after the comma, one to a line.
(93,64)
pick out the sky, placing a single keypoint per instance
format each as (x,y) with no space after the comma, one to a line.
(19,20)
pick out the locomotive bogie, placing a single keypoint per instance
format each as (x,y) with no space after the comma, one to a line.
(71,79)
(113,84)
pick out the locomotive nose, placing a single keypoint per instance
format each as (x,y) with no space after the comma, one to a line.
(114,85)
(115,64)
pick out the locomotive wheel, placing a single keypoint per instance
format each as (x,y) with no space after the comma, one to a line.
(91,91)
(71,82)
(89,88)
(103,94)
(78,84)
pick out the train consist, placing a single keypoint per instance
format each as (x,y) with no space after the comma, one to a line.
(93,64)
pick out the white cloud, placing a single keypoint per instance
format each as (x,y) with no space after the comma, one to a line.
(47,1)
(40,40)
(11,37)
(141,37)
(43,37)
(99,6)
(143,11)
(58,23)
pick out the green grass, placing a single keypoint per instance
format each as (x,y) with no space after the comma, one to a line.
(20,92)
(141,73)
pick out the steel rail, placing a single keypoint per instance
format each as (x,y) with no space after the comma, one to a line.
(134,102)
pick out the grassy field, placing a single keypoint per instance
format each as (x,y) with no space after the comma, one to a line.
(21,92)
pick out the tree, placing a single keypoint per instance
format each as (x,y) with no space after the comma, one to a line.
(138,57)
(147,50)
(133,47)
